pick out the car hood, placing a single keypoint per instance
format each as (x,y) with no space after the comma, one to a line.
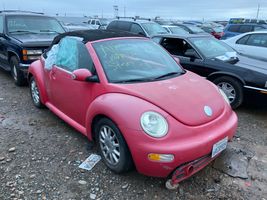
(34,40)
(183,97)
(252,64)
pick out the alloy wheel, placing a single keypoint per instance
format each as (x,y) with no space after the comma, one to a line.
(35,92)
(109,145)
(229,90)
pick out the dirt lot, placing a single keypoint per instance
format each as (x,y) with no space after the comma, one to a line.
(40,154)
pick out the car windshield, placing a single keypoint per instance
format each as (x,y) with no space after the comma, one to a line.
(178,30)
(154,29)
(135,60)
(211,48)
(33,24)
(195,29)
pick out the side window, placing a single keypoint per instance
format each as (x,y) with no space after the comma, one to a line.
(97,22)
(93,22)
(124,26)
(245,28)
(234,28)
(1,24)
(257,28)
(259,40)
(178,47)
(73,54)
(243,40)
(89,22)
(135,28)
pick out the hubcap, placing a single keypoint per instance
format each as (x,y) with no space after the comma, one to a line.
(15,73)
(109,145)
(35,92)
(229,90)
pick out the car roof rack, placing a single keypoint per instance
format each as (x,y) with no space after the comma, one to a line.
(20,11)
(134,18)
(246,21)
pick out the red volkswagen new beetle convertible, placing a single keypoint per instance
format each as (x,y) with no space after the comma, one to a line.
(139,105)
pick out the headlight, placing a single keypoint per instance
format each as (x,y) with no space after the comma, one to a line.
(154,124)
(224,96)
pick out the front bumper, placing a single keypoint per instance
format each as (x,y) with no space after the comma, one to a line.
(186,143)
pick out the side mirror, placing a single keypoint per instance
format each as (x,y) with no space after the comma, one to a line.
(81,74)
(191,53)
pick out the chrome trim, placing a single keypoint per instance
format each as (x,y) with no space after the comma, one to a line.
(24,65)
(255,88)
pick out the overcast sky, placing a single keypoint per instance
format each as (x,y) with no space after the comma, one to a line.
(183,9)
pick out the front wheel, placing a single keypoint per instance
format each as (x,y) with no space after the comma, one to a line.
(16,73)
(232,88)
(35,93)
(112,146)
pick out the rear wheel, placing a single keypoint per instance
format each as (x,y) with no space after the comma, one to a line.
(232,88)
(16,73)
(112,146)
(35,94)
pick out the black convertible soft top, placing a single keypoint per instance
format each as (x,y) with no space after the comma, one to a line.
(93,35)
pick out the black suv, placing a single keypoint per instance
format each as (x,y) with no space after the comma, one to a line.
(23,38)
(142,27)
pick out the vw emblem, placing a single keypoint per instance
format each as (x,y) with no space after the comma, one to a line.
(208,111)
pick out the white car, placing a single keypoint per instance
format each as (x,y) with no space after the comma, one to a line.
(252,44)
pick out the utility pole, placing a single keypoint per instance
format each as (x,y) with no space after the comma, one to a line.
(124,11)
(258,12)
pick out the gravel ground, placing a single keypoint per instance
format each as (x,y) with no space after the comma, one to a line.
(40,154)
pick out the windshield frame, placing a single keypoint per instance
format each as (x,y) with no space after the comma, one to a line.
(190,40)
(180,71)
(33,16)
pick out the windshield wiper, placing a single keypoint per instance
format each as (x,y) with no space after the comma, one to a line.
(167,75)
(22,31)
(135,80)
(49,31)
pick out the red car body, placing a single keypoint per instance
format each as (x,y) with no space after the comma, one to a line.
(180,100)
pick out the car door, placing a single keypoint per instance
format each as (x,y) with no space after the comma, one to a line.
(69,96)
(256,45)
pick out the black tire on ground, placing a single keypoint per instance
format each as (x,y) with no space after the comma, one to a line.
(16,73)
(125,162)
(237,86)
(35,94)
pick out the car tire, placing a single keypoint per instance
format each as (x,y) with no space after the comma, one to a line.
(232,88)
(35,94)
(16,73)
(112,146)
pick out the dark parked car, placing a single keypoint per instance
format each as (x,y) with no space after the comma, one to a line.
(232,30)
(219,63)
(23,38)
(145,28)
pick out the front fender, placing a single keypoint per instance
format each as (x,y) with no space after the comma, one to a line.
(124,110)
(36,70)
